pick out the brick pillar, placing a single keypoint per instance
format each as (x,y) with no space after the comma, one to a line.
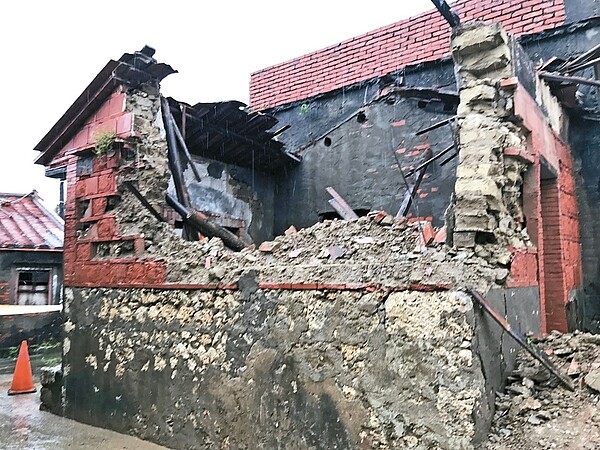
(552,262)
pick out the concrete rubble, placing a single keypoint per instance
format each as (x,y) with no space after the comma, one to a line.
(536,413)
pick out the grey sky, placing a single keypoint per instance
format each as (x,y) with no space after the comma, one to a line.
(52,49)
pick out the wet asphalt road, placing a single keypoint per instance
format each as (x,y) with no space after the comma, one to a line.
(24,426)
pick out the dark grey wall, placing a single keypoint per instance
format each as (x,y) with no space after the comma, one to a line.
(236,192)
(10,260)
(581,9)
(361,166)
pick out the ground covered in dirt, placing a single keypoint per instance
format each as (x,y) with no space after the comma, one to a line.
(537,413)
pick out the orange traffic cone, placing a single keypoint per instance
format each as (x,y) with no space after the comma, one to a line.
(22,382)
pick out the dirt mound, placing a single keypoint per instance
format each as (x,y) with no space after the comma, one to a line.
(537,413)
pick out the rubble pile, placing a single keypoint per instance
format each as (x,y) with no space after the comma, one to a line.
(372,249)
(536,413)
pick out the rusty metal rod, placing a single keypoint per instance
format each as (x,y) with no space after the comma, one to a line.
(521,340)
(577,80)
(429,161)
(201,223)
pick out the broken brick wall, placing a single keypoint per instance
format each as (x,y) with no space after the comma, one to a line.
(515,184)
(111,238)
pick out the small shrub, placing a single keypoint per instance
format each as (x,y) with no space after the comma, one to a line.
(104,142)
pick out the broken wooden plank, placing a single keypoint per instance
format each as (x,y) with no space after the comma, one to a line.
(410,194)
(340,205)
(137,194)
(532,349)
(184,147)
(201,223)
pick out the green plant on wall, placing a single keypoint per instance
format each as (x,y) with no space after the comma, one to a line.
(304,108)
(104,142)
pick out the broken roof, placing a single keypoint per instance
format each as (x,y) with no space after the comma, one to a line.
(25,224)
(131,70)
(227,132)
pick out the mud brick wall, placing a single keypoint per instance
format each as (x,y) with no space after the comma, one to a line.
(275,369)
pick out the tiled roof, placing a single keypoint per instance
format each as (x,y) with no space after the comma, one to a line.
(422,38)
(26,224)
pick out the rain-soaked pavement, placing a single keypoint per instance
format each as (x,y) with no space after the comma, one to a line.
(24,426)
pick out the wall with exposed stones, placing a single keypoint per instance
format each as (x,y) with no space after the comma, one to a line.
(275,369)
(515,184)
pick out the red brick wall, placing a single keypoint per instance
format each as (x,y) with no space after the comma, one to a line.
(553,282)
(556,215)
(111,116)
(81,267)
(425,37)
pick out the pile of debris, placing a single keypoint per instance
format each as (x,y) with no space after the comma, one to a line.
(536,413)
(376,249)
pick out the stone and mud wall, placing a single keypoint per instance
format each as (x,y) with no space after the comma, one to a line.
(515,181)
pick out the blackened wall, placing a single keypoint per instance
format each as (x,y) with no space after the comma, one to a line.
(350,139)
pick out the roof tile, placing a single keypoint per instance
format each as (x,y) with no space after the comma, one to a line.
(26,224)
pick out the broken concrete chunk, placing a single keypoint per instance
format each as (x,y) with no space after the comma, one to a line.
(295,253)
(290,231)
(364,240)
(336,252)
(592,380)
(217,272)
(269,246)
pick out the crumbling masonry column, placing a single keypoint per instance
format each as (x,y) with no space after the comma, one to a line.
(488,204)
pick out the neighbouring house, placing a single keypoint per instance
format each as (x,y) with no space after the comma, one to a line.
(31,274)
(31,247)
(212,302)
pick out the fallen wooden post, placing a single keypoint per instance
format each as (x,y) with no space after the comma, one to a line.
(340,205)
(576,80)
(201,223)
(176,167)
(184,147)
(532,349)
(144,202)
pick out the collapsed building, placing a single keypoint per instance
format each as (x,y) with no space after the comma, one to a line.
(213,298)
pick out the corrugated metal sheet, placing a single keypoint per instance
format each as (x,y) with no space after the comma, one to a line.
(26,224)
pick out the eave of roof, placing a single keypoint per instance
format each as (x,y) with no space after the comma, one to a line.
(130,69)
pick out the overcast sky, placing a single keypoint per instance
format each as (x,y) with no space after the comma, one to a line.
(51,50)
